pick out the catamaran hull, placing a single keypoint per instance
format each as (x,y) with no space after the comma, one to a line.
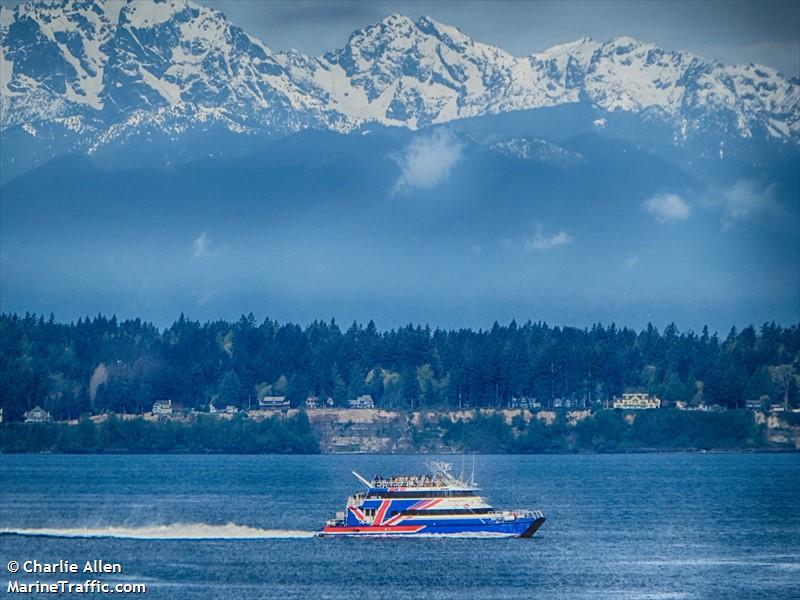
(523,528)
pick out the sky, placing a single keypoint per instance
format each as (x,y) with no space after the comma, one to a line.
(417,229)
(765,32)
(731,31)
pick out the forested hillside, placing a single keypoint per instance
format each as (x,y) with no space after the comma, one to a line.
(101,364)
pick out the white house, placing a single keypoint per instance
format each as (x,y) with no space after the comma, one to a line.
(753,404)
(637,401)
(273,403)
(162,407)
(37,415)
(229,409)
(364,401)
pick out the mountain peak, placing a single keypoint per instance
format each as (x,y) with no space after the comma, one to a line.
(107,67)
(450,35)
(391,26)
(396,19)
(147,13)
(625,40)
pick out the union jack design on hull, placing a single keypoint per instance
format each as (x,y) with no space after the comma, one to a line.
(438,504)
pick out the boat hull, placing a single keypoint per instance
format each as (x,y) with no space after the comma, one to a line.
(522,527)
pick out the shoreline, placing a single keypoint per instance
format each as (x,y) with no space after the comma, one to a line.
(423,433)
(554,453)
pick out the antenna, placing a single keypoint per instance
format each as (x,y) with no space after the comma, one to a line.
(441,469)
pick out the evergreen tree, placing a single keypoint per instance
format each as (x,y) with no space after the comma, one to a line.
(230,391)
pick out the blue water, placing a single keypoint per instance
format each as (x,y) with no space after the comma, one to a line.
(619,526)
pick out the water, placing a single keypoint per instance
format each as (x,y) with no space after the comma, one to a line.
(619,526)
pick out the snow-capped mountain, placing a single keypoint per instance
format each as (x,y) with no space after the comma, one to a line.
(115,65)
(107,71)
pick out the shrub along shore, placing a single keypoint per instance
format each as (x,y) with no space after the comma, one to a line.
(483,431)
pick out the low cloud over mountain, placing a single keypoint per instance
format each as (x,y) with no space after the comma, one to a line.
(158,159)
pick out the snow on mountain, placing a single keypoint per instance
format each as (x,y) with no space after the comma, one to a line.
(537,150)
(114,62)
(105,69)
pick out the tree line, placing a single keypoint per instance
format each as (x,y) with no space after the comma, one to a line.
(203,435)
(101,364)
(604,431)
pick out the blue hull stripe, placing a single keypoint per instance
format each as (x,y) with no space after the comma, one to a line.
(433,527)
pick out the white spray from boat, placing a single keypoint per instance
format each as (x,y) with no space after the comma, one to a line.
(174,531)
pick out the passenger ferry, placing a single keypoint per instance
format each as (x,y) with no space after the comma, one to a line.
(436,504)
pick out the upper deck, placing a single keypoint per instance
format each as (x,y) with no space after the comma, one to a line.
(440,484)
(415,482)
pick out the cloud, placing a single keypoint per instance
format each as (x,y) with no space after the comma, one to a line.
(632,262)
(206,297)
(744,200)
(506,244)
(667,208)
(543,242)
(201,246)
(427,161)
(318,13)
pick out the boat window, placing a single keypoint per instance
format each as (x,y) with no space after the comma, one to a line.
(448,511)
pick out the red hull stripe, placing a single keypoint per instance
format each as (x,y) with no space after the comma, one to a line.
(359,515)
(373,529)
(394,519)
(426,504)
(382,512)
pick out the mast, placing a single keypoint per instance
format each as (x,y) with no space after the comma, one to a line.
(472,477)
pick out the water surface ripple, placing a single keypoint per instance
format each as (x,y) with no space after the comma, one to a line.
(654,526)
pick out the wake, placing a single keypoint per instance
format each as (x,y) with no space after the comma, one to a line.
(175,531)
(204,531)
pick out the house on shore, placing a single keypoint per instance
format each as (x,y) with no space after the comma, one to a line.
(525,402)
(162,408)
(565,403)
(363,401)
(37,415)
(319,402)
(753,404)
(273,403)
(229,409)
(637,401)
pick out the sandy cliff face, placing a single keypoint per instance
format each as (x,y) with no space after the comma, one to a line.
(384,431)
(361,430)
(779,430)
